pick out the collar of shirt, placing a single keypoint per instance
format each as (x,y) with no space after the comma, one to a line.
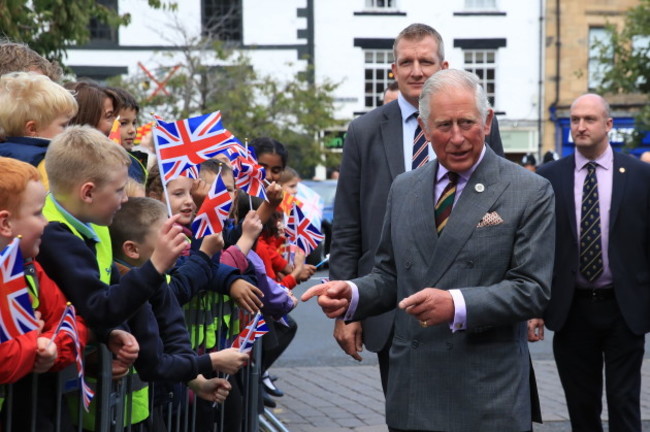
(463,177)
(605,160)
(406,108)
(84,229)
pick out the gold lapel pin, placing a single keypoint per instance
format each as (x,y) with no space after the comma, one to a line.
(621,170)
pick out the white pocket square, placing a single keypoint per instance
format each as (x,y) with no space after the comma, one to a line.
(490,219)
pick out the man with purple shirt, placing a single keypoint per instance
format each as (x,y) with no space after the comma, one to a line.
(464,257)
(600,299)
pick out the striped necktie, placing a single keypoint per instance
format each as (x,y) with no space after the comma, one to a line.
(420,149)
(591,254)
(446,202)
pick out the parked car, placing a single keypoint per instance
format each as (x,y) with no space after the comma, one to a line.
(327,191)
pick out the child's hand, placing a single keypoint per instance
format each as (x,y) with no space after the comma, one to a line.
(293,298)
(212,244)
(299,258)
(45,355)
(199,191)
(171,242)
(274,194)
(228,360)
(213,390)
(246,295)
(252,225)
(307,271)
(125,348)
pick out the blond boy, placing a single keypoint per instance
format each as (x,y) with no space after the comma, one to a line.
(33,110)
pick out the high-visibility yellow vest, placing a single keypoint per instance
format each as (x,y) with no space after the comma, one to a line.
(104,257)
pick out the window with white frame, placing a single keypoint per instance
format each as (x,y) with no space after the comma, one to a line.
(381,4)
(377,76)
(482,62)
(599,37)
(481,5)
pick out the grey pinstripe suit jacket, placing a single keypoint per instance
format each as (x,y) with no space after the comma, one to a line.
(478,379)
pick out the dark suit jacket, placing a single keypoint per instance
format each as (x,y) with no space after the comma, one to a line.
(372,158)
(629,241)
(477,379)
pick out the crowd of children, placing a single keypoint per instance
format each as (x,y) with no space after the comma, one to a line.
(98,230)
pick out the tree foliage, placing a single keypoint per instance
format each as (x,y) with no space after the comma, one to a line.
(214,76)
(51,26)
(626,60)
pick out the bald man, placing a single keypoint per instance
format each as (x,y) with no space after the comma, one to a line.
(600,296)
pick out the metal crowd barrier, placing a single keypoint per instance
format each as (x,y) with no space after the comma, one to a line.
(111,402)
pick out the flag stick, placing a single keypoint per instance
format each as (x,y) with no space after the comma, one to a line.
(58,327)
(327,258)
(249,336)
(160,167)
(250,198)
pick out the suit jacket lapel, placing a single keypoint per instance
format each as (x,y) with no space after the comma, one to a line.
(618,188)
(467,213)
(424,237)
(391,134)
(566,195)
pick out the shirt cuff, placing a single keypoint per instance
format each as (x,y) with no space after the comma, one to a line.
(460,311)
(354,301)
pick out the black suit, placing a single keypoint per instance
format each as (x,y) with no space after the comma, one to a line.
(372,158)
(586,330)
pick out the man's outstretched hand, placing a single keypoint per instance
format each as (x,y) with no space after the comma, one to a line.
(333,297)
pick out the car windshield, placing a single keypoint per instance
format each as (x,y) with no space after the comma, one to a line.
(326,189)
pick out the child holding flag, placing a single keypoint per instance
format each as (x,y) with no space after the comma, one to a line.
(166,352)
(22,197)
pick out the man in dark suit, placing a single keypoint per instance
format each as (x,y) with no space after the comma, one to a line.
(379,146)
(464,253)
(600,302)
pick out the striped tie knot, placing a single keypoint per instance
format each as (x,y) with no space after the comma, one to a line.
(446,202)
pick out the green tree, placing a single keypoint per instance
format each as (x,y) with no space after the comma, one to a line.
(51,26)
(293,111)
(626,62)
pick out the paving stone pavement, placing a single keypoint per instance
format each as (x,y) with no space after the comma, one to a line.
(349,399)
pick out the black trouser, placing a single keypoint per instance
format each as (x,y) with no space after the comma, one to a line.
(595,331)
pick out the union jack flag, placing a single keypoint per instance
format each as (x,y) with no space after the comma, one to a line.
(214,210)
(16,311)
(246,339)
(302,232)
(183,143)
(69,325)
(249,176)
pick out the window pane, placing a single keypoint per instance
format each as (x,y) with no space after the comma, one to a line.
(490,56)
(377,74)
(490,74)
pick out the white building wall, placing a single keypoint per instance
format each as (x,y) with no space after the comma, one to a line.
(270,30)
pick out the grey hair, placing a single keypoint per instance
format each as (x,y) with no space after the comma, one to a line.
(448,79)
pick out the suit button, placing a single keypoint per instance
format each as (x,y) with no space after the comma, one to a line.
(449,346)
(415,344)
(470,264)
(408,264)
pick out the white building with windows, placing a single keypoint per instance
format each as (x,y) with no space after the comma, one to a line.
(349,42)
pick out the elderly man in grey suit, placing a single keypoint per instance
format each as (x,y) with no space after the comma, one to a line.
(464,254)
(379,146)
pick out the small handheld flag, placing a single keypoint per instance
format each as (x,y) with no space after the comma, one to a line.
(16,312)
